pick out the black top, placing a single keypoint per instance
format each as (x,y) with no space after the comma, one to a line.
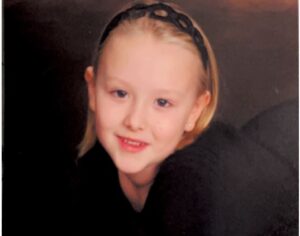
(223,184)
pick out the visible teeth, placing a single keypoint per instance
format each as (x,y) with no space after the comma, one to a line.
(134,143)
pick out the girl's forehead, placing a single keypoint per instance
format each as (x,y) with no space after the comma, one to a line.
(142,55)
(147,64)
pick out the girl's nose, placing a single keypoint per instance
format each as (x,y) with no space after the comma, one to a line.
(135,118)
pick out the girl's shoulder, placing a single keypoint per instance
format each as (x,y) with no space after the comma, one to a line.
(225,150)
(224,183)
(208,151)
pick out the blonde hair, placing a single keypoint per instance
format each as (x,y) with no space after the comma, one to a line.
(162,30)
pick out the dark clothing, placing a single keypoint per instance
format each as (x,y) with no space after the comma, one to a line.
(276,129)
(223,184)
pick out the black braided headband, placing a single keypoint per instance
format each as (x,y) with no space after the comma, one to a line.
(181,21)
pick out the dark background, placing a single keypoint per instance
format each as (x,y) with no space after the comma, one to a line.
(48,44)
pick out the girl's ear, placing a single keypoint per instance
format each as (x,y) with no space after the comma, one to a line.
(200,104)
(90,82)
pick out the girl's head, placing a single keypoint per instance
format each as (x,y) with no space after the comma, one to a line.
(153,86)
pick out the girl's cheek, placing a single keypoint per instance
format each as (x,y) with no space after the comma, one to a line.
(166,127)
(108,113)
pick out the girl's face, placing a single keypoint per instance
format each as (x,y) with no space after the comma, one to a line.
(144,96)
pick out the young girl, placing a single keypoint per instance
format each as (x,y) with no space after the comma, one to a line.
(145,167)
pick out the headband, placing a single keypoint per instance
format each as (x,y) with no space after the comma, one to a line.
(181,21)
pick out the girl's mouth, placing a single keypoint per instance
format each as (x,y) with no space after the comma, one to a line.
(131,145)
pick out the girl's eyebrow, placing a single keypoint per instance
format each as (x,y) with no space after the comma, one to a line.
(110,79)
(159,91)
(170,92)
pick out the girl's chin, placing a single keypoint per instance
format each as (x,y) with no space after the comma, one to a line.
(129,167)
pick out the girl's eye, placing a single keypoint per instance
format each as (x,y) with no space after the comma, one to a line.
(163,102)
(119,93)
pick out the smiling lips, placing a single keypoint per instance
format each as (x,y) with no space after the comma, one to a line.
(131,145)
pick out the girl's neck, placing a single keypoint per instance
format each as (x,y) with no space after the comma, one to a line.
(136,187)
